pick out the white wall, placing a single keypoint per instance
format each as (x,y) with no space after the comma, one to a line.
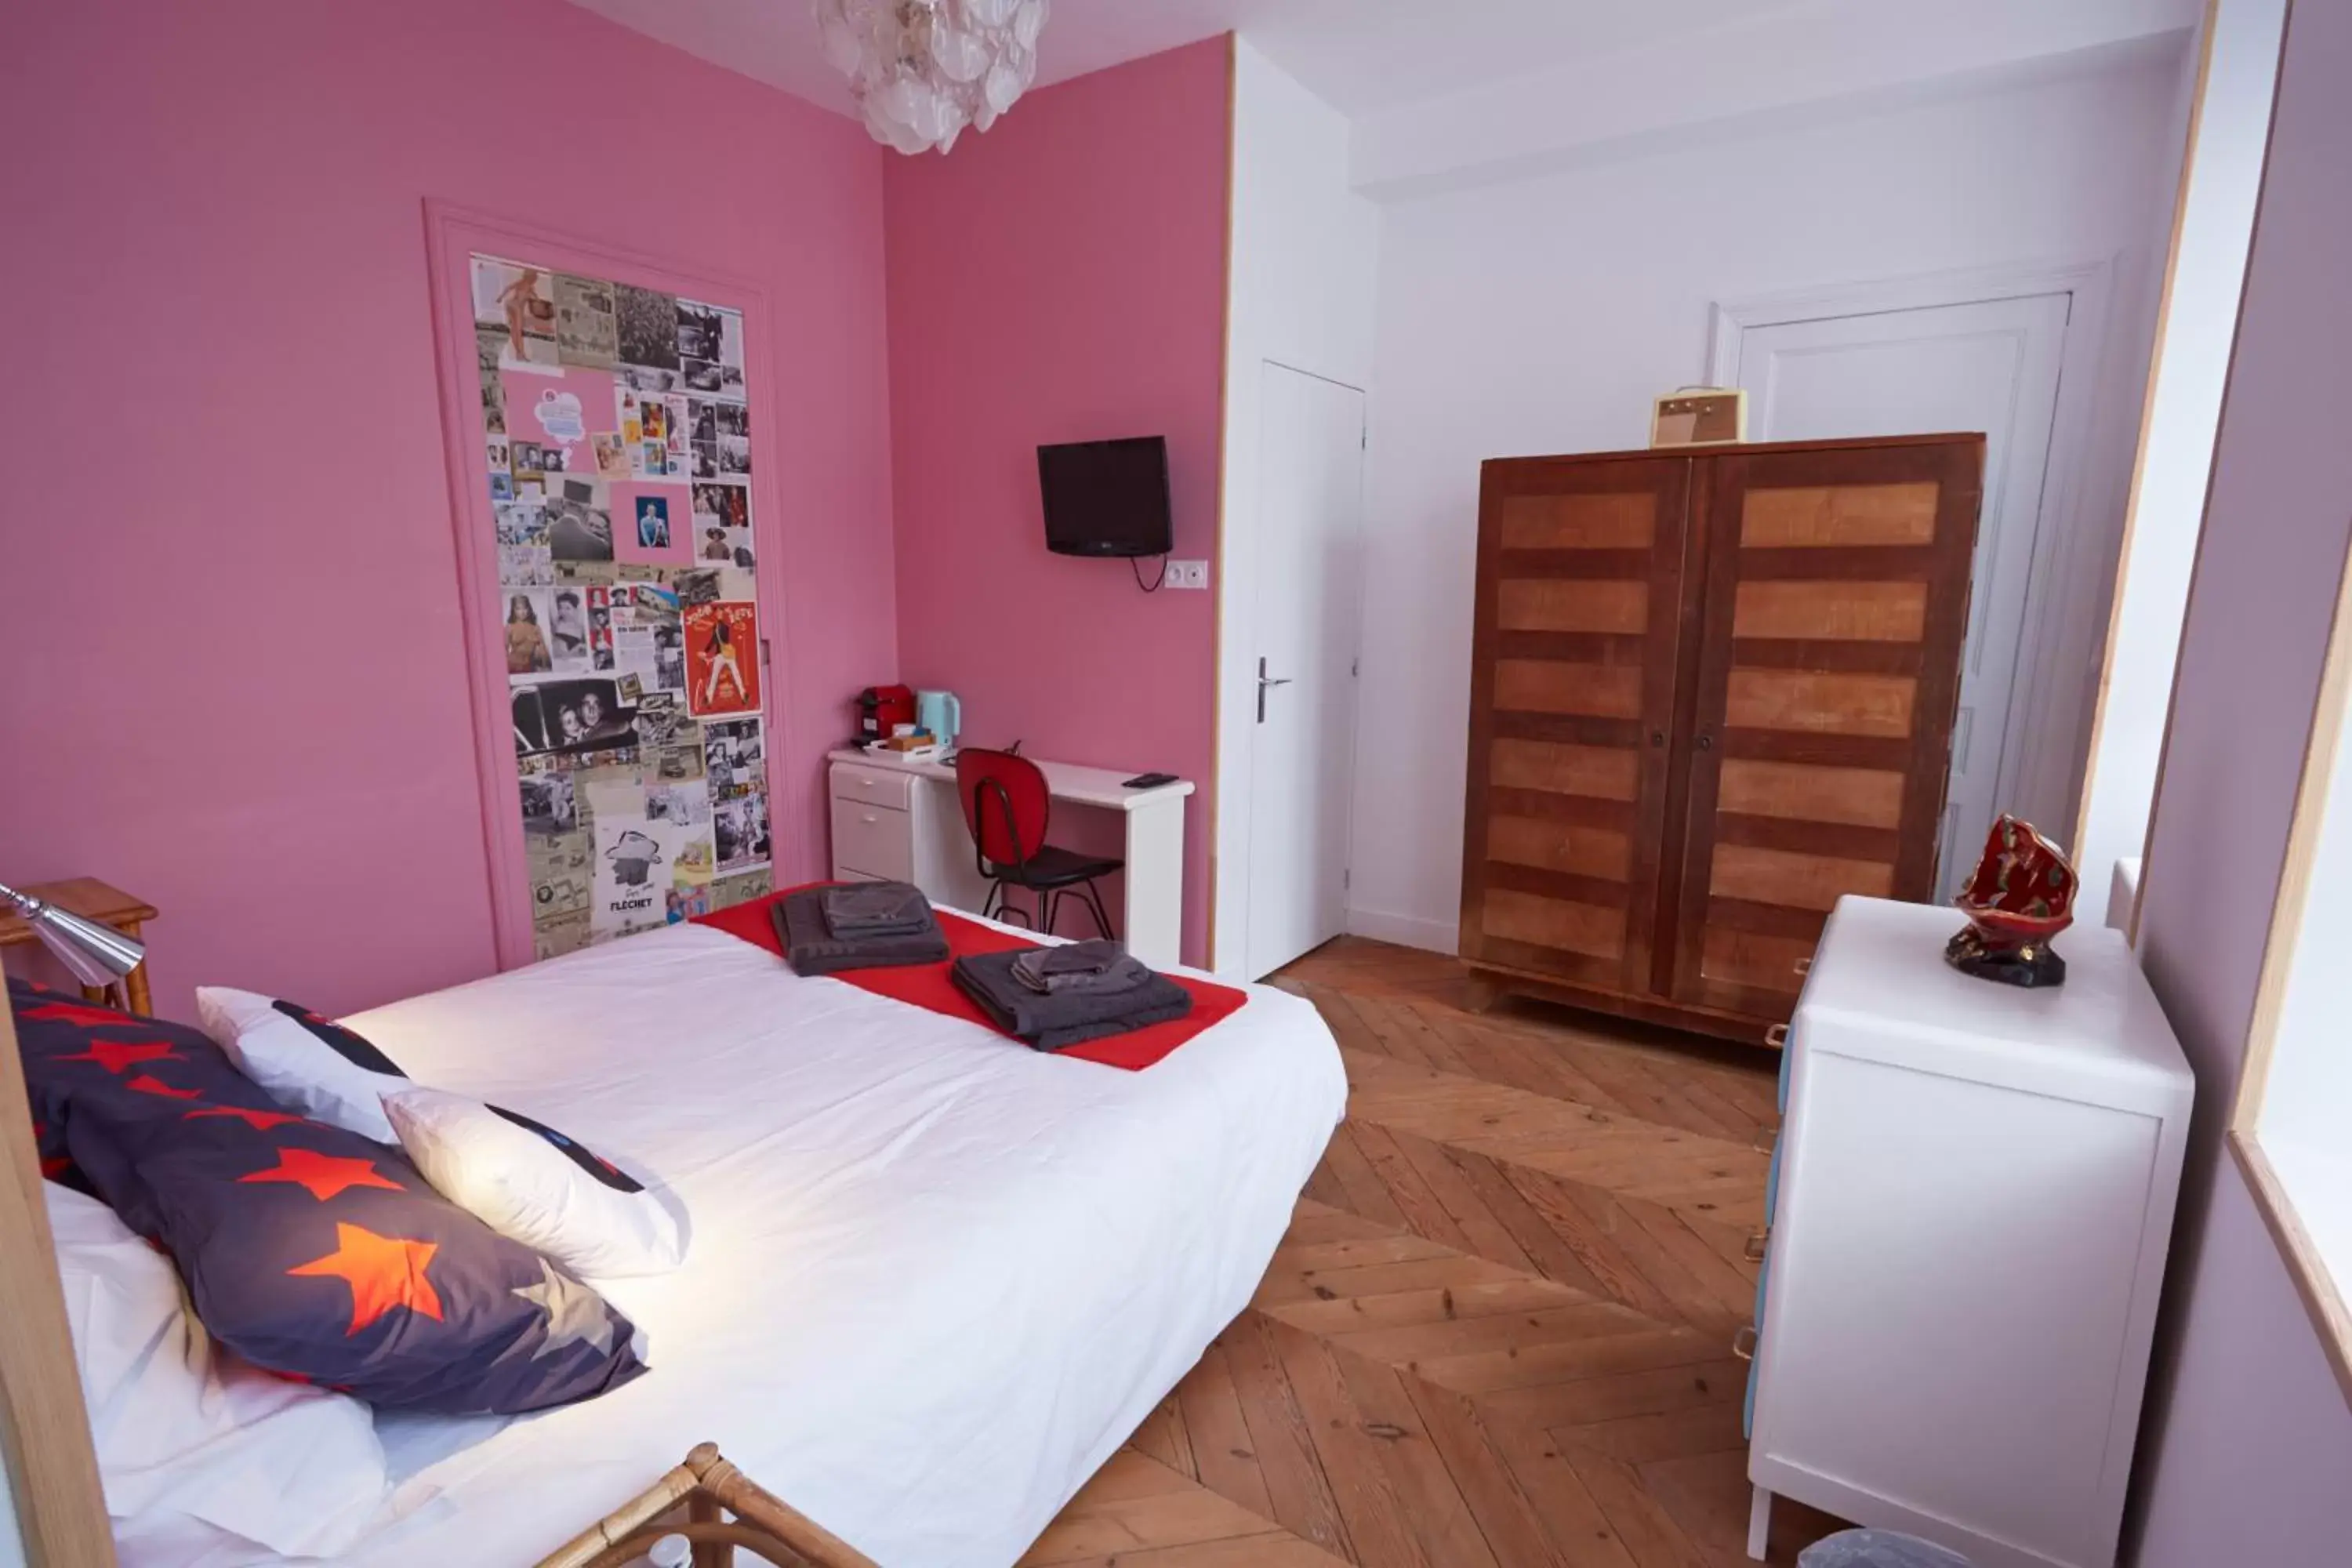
(1543,316)
(1303,255)
(2221,182)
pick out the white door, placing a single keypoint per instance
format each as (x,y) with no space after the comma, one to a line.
(1990,366)
(1305,617)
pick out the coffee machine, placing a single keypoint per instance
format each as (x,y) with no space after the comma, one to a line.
(882,708)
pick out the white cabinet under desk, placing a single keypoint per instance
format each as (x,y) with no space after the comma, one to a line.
(1968,1208)
(899,821)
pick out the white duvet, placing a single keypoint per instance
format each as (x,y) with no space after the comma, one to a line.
(933,1278)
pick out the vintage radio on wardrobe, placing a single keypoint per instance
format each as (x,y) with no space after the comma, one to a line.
(1699,417)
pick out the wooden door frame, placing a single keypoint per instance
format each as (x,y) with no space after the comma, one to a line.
(44,1429)
(454,234)
(2042,751)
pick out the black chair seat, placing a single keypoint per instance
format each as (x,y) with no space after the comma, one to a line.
(1052,868)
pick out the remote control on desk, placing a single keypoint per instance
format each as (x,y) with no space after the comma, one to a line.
(1149,781)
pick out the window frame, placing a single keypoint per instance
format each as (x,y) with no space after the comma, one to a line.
(2323,1294)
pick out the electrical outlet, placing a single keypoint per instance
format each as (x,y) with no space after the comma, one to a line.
(1188,573)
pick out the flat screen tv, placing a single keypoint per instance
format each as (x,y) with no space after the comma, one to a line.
(1106,498)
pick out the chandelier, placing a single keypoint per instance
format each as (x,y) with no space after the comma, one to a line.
(921,71)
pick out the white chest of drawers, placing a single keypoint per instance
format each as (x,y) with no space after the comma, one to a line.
(891,824)
(1972,1200)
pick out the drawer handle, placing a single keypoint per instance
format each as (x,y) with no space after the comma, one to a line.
(1805,964)
(1777,1035)
(1753,1249)
(1743,1343)
(869,819)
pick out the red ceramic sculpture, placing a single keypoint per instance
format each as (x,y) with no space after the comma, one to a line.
(2021,895)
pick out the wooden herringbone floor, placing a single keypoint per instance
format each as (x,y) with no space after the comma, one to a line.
(1498,1332)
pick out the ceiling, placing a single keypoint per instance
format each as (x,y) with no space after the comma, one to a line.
(1444,92)
(1361,57)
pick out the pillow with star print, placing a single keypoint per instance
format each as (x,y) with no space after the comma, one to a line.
(307,1063)
(531,1183)
(306,1249)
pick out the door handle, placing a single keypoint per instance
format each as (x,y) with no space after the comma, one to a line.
(1265,680)
(1706,742)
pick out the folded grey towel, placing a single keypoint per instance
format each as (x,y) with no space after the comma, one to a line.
(1055,1021)
(876,908)
(1095,967)
(811,948)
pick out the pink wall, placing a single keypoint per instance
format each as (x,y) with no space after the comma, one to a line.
(2249,1438)
(1063,278)
(238,683)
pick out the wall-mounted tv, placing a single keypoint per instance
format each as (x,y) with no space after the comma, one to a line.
(1106,498)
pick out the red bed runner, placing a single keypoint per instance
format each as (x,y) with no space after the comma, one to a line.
(930,985)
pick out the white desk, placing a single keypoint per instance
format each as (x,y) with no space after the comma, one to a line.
(900,821)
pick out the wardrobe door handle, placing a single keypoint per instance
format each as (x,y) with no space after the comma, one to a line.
(1706,742)
(1657,737)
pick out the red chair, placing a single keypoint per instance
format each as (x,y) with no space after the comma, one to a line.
(1006,805)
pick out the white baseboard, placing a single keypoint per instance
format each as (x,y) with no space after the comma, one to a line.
(1411,931)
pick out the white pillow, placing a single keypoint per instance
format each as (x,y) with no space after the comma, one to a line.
(307,1063)
(186,1431)
(536,1186)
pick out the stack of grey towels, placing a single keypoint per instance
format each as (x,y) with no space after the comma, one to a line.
(864,925)
(1053,997)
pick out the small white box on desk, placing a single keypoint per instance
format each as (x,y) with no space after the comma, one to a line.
(1973,1199)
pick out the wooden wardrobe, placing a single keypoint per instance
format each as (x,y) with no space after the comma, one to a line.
(1712,691)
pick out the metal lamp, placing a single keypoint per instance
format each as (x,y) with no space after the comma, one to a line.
(97,954)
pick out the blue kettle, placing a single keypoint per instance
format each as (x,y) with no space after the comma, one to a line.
(941,713)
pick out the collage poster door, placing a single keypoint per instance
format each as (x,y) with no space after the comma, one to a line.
(615,426)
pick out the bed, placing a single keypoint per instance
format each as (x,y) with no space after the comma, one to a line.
(934,1280)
